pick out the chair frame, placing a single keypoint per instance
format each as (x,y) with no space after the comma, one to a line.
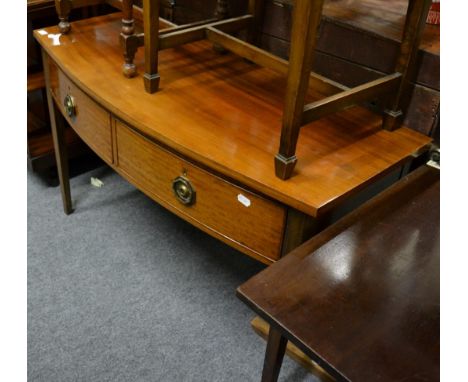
(395,87)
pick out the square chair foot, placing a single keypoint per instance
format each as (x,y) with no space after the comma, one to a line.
(284,167)
(392,119)
(151,82)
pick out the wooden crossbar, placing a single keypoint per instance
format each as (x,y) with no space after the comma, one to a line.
(268,60)
(85,3)
(246,50)
(174,37)
(351,97)
(137,11)
(180,37)
(186,26)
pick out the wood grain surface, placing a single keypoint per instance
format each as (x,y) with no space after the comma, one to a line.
(91,122)
(225,113)
(362,297)
(244,220)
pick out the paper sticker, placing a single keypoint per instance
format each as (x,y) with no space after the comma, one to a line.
(243,200)
(96,182)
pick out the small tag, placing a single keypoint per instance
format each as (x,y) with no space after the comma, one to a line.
(96,182)
(243,200)
(42,32)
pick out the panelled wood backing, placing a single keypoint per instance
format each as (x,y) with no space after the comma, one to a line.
(344,52)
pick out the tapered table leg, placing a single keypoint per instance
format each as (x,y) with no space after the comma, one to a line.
(274,355)
(306,19)
(407,62)
(257,9)
(58,133)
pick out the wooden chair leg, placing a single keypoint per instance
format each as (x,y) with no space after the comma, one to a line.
(60,147)
(128,39)
(151,29)
(406,64)
(306,20)
(222,9)
(221,13)
(274,355)
(63,8)
(257,9)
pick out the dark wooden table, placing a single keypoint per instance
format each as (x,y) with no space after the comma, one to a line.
(362,298)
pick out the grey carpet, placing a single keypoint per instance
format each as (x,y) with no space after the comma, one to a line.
(123,290)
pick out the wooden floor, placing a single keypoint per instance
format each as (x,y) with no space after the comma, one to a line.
(225,113)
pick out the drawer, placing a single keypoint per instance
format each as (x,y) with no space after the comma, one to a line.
(244,220)
(90,121)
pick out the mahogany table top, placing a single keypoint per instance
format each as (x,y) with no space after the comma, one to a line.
(362,298)
(225,113)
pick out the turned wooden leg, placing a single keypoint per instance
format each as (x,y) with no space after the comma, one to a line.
(306,18)
(274,355)
(128,39)
(57,124)
(63,8)
(406,64)
(151,28)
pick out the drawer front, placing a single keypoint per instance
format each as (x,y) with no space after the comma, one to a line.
(88,119)
(246,221)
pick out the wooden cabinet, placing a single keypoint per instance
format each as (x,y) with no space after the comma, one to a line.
(243,219)
(202,147)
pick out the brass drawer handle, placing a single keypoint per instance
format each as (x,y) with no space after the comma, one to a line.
(183,190)
(69,104)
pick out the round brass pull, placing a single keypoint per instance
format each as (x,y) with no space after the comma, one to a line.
(183,190)
(69,104)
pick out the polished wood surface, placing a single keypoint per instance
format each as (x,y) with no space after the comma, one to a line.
(246,221)
(306,21)
(362,298)
(226,115)
(90,121)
